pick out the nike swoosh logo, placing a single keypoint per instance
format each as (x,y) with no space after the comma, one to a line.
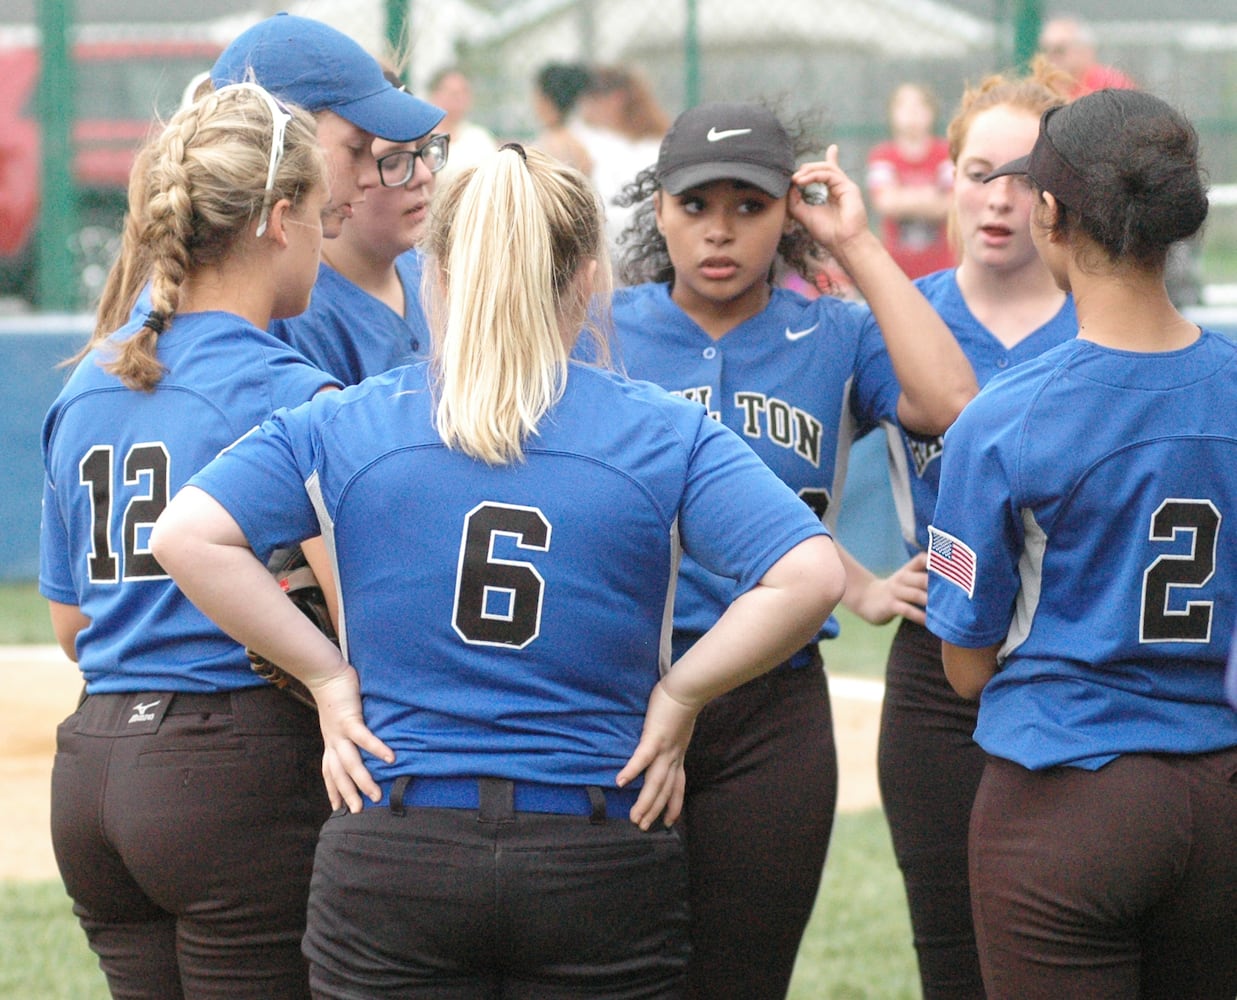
(716,135)
(800,334)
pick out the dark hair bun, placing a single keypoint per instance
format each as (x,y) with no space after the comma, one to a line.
(1139,157)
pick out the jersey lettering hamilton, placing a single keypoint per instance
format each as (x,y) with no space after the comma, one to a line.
(923,451)
(769,417)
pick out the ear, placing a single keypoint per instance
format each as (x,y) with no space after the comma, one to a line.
(657,210)
(1048,212)
(277,225)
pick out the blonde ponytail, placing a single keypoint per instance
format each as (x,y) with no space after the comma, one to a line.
(508,242)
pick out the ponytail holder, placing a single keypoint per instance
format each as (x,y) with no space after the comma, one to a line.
(156,321)
(514,146)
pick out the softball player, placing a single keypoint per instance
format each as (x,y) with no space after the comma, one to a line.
(505,526)
(307,63)
(1081,577)
(790,376)
(365,315)
(1003,307)
(180,770)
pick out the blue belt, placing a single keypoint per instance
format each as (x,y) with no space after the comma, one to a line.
(499,798)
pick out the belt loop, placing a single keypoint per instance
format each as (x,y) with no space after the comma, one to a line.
(495,800)
(597,805)
(397,794)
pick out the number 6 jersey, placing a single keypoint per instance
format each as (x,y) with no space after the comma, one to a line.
(509,620)
(1087,520)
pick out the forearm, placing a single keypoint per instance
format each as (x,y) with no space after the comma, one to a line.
(762,627)
(202,549)
(925,202)
(968,670)
(936,378)
(67,622)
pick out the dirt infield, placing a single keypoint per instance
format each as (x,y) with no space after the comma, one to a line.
(41,687)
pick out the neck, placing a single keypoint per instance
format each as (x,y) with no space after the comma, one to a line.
(1129,309)
(236,286)
(1012,304)
(718,318)
(369,271)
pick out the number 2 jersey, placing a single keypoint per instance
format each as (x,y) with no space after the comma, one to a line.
(509,620)
(113,457)
(1087,521)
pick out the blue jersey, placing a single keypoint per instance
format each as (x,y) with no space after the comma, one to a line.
(509,620)
(1084,522)
(351,334)
(1232,673)
(914,460)
(113,457)
(797,382)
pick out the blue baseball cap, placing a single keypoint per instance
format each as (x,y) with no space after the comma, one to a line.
(311,64)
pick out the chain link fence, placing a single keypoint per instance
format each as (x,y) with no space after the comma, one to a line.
(837,60)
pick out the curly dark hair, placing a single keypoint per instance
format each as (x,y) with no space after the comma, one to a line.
(642,253)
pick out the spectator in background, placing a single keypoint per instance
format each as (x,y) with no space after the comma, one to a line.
(558,87)
(910,177)
(451,90)
(622,128)
(1069,44)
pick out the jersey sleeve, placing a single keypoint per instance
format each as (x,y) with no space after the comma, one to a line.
(875,390)
(977,536)
(265,481)
(737,518)
(55,575)
(293,379)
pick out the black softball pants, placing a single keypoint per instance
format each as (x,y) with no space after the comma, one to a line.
(762,784)
(184,827)
(494,902)
(929,767)
(1116,884)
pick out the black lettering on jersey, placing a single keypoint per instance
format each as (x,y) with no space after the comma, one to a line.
(1169,573)
(498,601)
(147,464)
(702,394)
(784,425)
(924,450)
(817,499)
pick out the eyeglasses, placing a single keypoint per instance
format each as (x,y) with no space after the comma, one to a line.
(396,169)
(280,117)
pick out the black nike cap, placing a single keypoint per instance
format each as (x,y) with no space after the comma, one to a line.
(725,141)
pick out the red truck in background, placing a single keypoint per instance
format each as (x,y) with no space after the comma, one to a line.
(121,86)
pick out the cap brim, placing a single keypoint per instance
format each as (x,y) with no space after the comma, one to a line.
(770,180)
(391,114)
(1018,166)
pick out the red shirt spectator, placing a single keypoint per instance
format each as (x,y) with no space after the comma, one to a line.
(909,180)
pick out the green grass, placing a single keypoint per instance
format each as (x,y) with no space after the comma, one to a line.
(860,650)
(45,956)
(23,615)
(857,946)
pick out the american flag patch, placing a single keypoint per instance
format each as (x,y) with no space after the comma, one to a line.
(952,558)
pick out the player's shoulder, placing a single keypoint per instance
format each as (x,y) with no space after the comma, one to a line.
(649,296)
(621,397)
(939,286)
(1009,395)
